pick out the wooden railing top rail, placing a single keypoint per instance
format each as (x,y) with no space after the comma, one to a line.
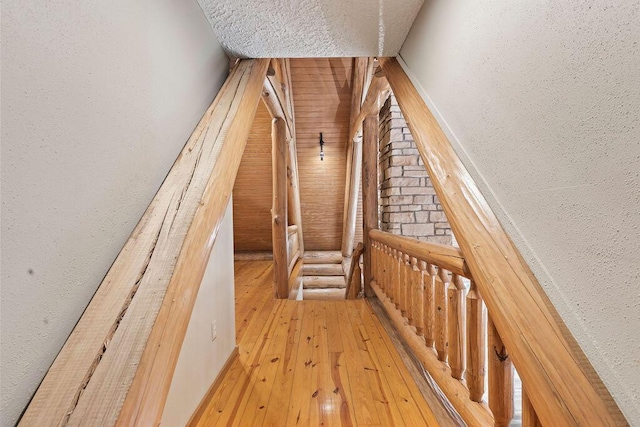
(447,257)
(564,388)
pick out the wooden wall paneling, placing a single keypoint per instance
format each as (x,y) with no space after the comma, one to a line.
(253,189)
(322,100)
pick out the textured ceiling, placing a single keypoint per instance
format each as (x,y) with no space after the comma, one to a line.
(311,28)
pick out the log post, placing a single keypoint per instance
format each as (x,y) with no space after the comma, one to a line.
(354,156)
(500,379)
(279,208)
(369,191)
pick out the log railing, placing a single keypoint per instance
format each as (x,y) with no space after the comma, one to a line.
(560,382)
(421,286)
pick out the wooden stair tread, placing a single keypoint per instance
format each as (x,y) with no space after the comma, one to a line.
(323,282)
(322,257)
(322,270)
(323,294)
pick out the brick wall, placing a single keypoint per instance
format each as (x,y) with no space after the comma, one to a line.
(408,203)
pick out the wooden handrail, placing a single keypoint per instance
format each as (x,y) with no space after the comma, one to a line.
(527,322)
(119,360)
(447,257)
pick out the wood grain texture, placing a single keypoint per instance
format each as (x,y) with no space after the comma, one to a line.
(322,100)
(536,337)
(448,257)
(148,392)
(473,413)
(278,100)
(91,376)
(353,186)
(370,130)
(253,189)
(279,233)
(313,363)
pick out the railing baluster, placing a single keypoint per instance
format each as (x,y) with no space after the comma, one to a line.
(418,296)
(424,295)
(429,274)
(376,261)
(387,266)
(500,379)
(394,282)
(476,344)
(442,346)
(408,288)
(529,416)
(402,280)
(456,326)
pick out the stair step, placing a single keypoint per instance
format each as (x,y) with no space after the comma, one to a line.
(322,270)
(323,282)
(323,294)
(322,257)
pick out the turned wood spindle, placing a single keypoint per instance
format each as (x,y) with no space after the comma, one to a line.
(456,326)
(418,296)
(476,344)
(440,314)
(429,280)
(407,286)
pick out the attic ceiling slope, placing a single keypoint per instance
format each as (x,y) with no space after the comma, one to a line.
(311,28)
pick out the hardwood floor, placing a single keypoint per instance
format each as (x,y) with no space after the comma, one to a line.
(311,363)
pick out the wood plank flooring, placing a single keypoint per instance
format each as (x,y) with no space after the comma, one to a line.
(311,363)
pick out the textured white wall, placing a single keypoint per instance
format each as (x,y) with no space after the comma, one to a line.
(311,28)
(201,359)
(542,102)
(98,98)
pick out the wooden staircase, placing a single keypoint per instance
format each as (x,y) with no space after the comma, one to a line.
(323,276)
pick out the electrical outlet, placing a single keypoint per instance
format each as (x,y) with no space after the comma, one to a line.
(214,330)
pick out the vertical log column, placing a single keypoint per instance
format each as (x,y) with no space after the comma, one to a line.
(354,156)
(279,208)
(369,191)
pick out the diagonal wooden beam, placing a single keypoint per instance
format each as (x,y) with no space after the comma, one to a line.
(377,94)
(134,326)
(561,383)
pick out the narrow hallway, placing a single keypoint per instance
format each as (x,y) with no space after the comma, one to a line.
(310,363)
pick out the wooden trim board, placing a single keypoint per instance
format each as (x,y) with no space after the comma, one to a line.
(202,406)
